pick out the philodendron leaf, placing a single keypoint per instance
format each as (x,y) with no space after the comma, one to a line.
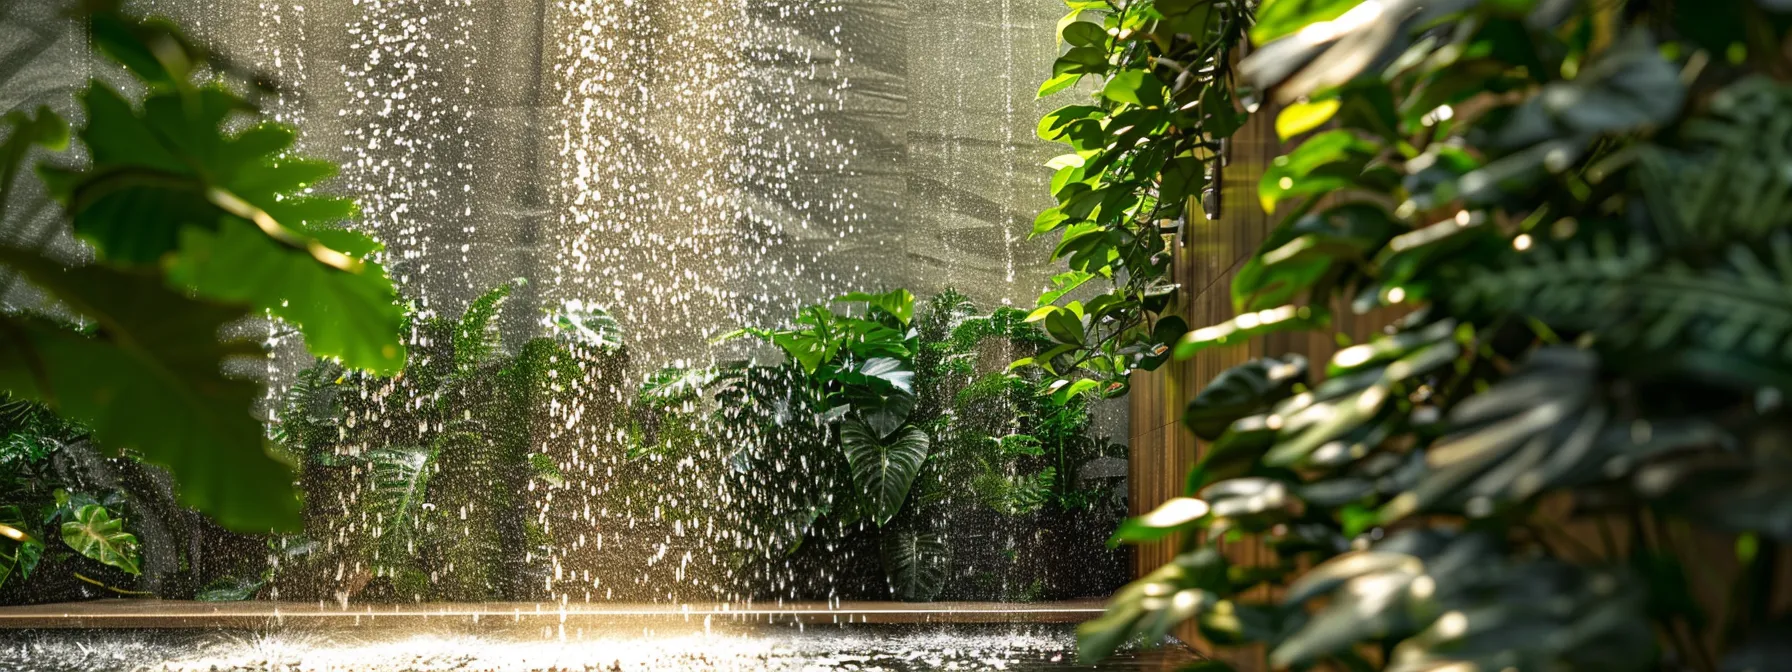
(916,564)
(883,468)
(898,303)
(891,370)
(96,534)
(148,379)
(883,412)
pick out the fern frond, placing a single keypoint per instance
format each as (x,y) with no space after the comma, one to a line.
(1734,176)
(1633,296)
(475,338)
(398,479)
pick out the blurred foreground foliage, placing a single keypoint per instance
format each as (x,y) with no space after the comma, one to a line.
(196,223)
(1579,208)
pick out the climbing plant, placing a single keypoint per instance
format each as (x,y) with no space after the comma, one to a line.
(1145,152)
(1578,208)
(198,217)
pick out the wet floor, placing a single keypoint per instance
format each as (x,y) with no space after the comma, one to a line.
(858,647)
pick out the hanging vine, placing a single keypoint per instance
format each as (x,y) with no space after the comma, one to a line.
(1144,156)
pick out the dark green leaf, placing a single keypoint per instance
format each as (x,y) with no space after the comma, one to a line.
(1246,389)
(1085,34)
(149,380)
(916,563)
(883,468)
(1325,162)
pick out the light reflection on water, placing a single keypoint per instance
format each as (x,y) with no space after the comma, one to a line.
(862,648)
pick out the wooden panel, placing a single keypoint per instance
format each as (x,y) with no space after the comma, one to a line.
(1210,255)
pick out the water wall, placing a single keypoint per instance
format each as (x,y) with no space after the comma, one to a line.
(689,167)
(690,162)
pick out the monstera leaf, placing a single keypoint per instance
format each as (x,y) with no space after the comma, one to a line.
(96,534)
(1459,600)
(676,383)
(884,467)
(1243,390)
(1189,586)
(916,564)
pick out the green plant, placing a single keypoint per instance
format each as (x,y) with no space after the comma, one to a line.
(199,217)
(1578,207)
(867,433)
(85,524)
(1145,153)
(859,373)
(441,457)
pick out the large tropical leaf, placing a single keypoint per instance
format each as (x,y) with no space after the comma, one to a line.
(94,533)
(1548,426)
(883,468)
(1458,599)
(916,564)
(673,383)
(899,303)
(233,209)
(1189,586)
(1246,389)
(148,379)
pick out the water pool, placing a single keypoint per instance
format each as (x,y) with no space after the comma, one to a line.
(858,647)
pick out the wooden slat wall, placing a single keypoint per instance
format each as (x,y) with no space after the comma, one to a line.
(1212,252)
